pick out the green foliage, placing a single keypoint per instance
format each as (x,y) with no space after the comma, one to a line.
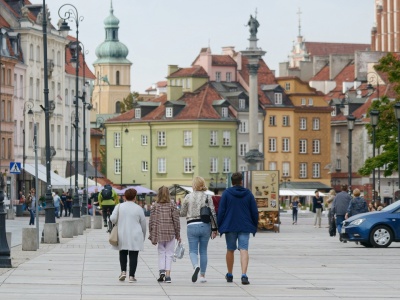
(128,102)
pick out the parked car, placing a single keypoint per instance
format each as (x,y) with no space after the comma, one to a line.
(374,229)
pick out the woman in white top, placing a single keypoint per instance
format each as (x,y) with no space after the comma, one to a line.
(131,233)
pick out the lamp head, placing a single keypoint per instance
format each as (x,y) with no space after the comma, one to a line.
(30,112)
(370,88)
(126,130)
(397,110)
(374,114)
(64,26)
(350,122)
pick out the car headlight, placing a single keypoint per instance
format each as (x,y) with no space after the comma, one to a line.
(357,222)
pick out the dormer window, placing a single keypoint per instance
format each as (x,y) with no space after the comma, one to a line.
(217,76)
(224,112)
(138,114)
(168,112)
(242,104)
(310,102)
(228,76)
(333,112)
(303,101)
(278,98)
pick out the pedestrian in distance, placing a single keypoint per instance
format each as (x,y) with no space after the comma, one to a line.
(237,219)
(357,205)
(31,206)
(57,203)
(63,205)
(339,208)
(331,219)
(294,206)
(198,232)
(216,198)
(164,228)
(69,203)
(318,202)
(131,234)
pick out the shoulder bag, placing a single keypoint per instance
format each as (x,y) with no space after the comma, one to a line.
(113,238)
(205,213)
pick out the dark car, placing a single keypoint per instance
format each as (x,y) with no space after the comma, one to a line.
(374,229)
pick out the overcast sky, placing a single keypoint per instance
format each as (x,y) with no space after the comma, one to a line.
(161,32)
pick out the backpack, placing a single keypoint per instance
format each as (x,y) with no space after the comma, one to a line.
(28,201)
(106,194)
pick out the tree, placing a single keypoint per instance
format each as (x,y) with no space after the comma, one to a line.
(386,130)
(129,101)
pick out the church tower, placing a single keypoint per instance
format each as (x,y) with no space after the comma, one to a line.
(112,70)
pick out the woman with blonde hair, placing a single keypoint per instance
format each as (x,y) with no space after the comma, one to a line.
(198,232)
(331,219)
(164,228)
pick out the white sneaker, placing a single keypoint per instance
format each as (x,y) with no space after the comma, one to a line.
(203,279)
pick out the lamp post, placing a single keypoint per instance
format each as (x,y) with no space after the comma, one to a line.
(397,113)
(71,14)
(27,105)
(374,114)
(100,123)
(350,126)
(126,131)
(284,180)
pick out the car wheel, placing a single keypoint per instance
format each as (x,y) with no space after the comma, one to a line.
(381,236)
(366,244)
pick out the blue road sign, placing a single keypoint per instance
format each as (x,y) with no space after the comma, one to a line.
(15,167)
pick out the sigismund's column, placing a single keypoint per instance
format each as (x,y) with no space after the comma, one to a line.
(253,54)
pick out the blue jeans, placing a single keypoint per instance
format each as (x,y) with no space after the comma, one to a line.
(198,237)
(339,220)
(56,210)
(32,219)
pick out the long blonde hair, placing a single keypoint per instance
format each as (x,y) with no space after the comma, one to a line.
(199,184)
(332,192)
(163,195)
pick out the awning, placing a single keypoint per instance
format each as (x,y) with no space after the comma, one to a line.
(184,189)
(287,193)
(306,192)
(56,180)
(139,189)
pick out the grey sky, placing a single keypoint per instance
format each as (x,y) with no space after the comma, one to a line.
(160,32)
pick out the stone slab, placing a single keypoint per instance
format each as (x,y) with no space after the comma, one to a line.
(50,233)
(97,222)
(29,239)
(68,228)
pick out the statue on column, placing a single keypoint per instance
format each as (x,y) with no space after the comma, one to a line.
(253,24)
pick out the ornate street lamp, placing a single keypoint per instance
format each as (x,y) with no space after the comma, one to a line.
(397,113)
(350,126)
(27,105)
(374,118)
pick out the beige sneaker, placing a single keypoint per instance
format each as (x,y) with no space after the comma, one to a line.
(122,276)
(132,279)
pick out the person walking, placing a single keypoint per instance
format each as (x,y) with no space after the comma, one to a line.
(331,220)
(57,202)
(164,228)
(198,233)
(339,208)
(216,198)
(295,205)
(357,205)
(131,233)
(317,208)
(31,206)
(237,218)
(63,205)
(69,203)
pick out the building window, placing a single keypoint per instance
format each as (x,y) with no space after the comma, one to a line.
(242,168)
(31,52)
(337,137)
(217,76)
(227,165)
(242,149)
(278,98)
(285,144)
(138,114)
(228,76)
(66,97)
(187,165)
(38,90)
(168,112)
(272,165)
(161,138)
(213,138)
(117,78)
(333,112)
(59,136)
(303,146)
(303,124)
(162,165)
(187,138)
(285,121)
(38,54)
(224,111)
(226,138)
(310,102)
(117,139)
(272,144)
(213,165)
(338,164)
(243,127)
(187,83)
(303,101)
(272,120)
(242,103)
(285,169)
(117,166)
(315,124)
(9,147)
(145,166)
(287,86)
(144,140)
(303,170)
(117,107)
(260,124)
(316,167)
(315,146)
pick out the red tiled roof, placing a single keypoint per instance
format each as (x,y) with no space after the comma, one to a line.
(223,60)
(195,71)
(318,48)
(162,83)
(69,69)
(346,75)
(4,23)
(322,75)
(95,132)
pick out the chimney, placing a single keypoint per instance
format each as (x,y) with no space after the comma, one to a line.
(172,69)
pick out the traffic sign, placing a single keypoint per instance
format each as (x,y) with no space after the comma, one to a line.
(15,167)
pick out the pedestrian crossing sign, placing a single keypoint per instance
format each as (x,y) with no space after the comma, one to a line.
(15,167)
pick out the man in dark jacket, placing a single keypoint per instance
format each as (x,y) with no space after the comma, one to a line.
(237,218)
(339,207)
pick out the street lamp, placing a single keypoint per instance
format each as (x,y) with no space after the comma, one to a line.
(72,14)
(284,180)
(126,131)
(350,126)
(374,114)
(397,113)
(27,105)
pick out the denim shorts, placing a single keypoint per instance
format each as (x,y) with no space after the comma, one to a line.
(242,239)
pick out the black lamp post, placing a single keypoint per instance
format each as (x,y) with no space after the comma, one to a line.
(397,113)
(284,180)
(126,131)
(350,126)
(27,105)
(72,14)
(374,118)
(100,123)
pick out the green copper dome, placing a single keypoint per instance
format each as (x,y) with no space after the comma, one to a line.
(112,50)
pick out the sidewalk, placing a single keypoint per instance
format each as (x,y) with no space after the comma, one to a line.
(300,262)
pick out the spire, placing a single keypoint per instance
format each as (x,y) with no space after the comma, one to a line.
(299,13)
(111,7)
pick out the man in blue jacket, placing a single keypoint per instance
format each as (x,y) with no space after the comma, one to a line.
(237,218)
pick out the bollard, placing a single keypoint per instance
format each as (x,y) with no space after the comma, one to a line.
(68,229)
(50,233)
(29,239)
(97,222)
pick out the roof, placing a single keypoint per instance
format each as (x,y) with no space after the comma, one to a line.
(4,23)
(69,69)
(195,71)
(322,49)
(322,75)
(223,60)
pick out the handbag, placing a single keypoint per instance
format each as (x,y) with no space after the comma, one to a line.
(179,250)
(113,238)
(205,213)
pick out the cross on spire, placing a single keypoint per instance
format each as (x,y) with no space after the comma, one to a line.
(299,14)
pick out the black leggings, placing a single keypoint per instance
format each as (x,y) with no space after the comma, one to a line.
(123,260)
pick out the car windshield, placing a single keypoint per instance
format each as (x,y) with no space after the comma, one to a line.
(392,206)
